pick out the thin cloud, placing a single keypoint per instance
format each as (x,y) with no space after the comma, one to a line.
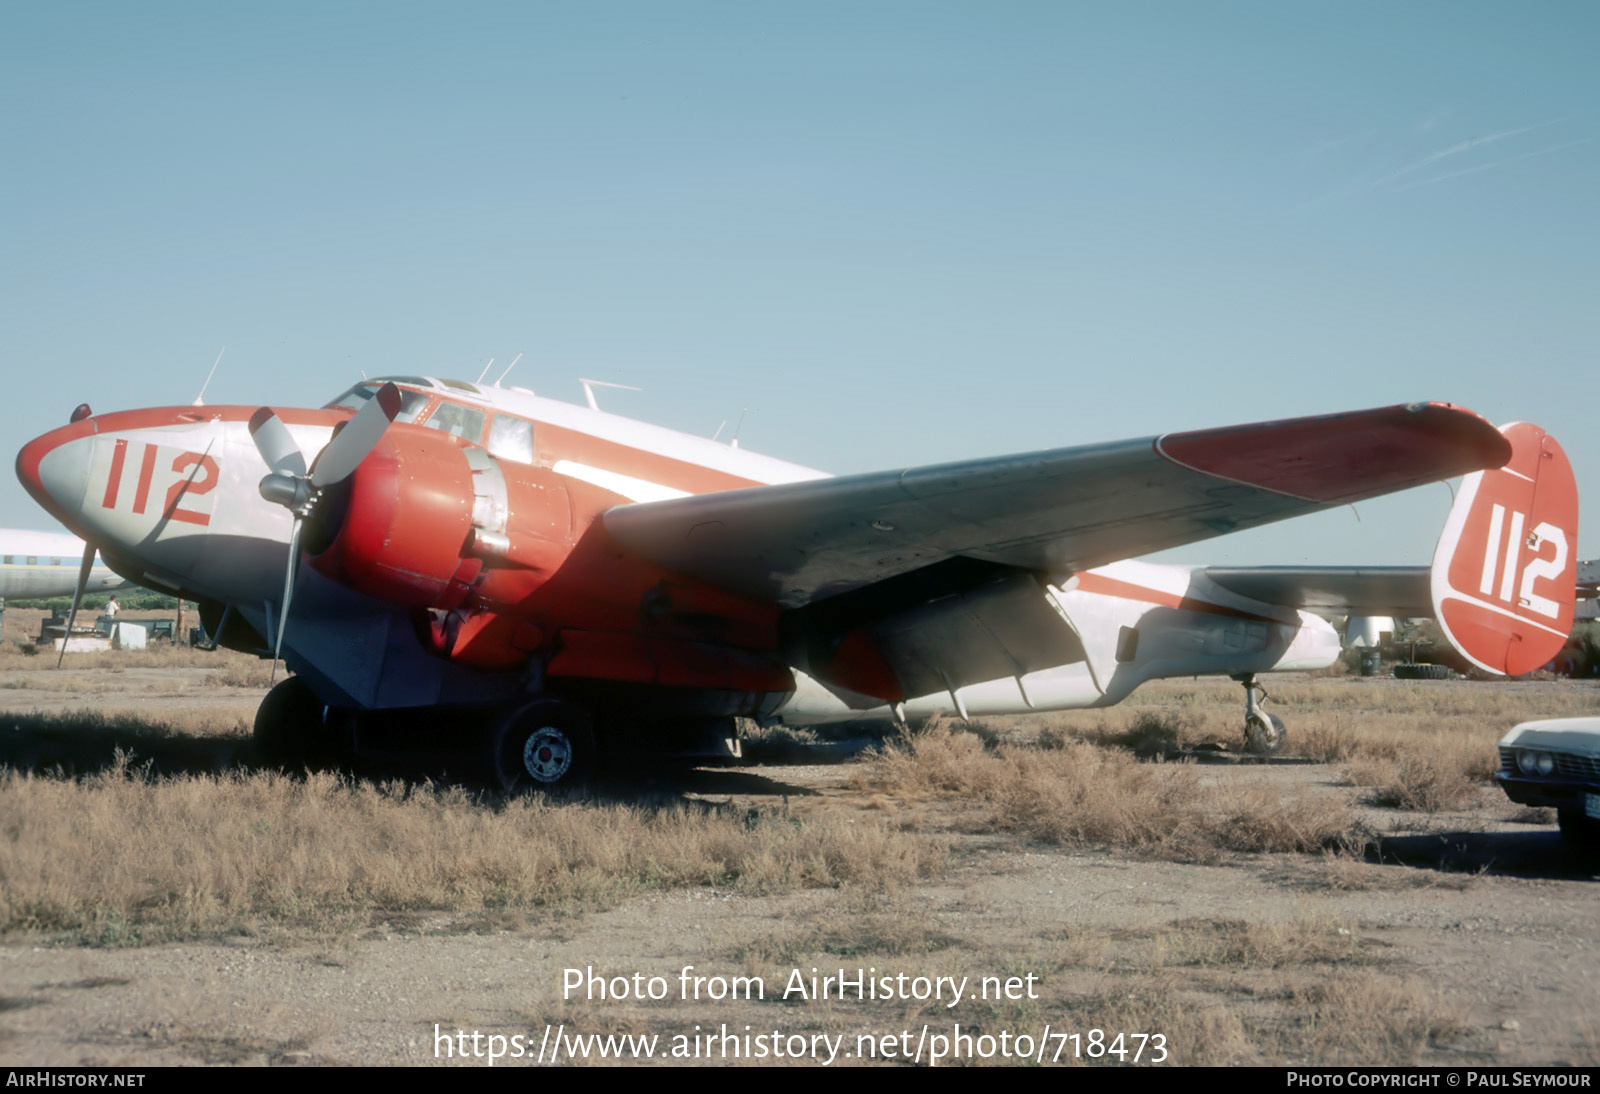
(1371,180)
(1491,166)
(1455,150)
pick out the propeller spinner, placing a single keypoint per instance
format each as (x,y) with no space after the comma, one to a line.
(288,484)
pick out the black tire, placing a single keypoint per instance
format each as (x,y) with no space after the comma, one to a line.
(542,745)
(1264,734)
(1411,671)
(1581,833)
(290,728)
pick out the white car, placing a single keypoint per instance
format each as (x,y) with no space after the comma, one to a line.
(1555,764)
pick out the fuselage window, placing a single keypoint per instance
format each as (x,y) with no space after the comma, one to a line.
(33,560)
(55,562)
(511,439)
(10,559)
(461,421)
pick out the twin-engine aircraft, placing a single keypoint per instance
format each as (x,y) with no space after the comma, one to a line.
(571,579)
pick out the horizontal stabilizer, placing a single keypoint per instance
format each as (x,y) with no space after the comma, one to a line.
(1402,591)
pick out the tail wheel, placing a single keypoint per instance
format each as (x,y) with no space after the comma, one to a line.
(1265,734)
(542,745)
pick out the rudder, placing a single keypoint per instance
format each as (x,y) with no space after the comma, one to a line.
(1505,571)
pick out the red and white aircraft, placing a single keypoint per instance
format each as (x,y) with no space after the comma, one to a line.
(568,575)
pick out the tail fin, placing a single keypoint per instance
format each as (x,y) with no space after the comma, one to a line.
(1505,572)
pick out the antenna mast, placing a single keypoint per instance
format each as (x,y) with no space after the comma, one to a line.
(590,385)
(507,372)
(213,372)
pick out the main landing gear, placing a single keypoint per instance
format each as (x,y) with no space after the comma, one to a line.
(544,744)
(292,731)
(537,744)
(1264,734)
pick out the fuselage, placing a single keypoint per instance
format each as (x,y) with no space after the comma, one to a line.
(35,565)
(170,496)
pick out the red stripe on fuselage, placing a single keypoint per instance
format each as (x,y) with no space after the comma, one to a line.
(554,443)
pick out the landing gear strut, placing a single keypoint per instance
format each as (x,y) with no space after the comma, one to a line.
(1264,734)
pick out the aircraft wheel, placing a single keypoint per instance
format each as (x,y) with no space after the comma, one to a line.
(1264,734)
(289,728)
(542,745)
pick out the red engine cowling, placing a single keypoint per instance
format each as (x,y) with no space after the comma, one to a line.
(416,521)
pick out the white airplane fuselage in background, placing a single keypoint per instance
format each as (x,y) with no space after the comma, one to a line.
(37,565)
(494,546)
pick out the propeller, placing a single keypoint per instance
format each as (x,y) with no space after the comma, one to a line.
(288,484)
(77,598)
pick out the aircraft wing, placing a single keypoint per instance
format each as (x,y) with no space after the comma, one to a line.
(1402,591)
(1053,512)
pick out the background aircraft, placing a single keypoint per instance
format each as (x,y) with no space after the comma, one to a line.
(572,576)
(35,565)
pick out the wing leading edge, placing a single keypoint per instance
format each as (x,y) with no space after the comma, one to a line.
(1055,512)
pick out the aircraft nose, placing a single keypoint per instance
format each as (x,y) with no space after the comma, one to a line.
(55,471)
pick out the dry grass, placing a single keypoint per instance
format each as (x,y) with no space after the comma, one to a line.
(1423,746)
(1369,1017)
(113,853)
(1333,718)
(1230,992)
(1417,783)
(120,857)
(1081,795)
(199,740)
(1221,992)
(1238,944)
(18,654)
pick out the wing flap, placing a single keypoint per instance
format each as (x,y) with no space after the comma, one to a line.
(953,624)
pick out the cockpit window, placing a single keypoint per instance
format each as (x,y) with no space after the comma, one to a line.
(411,402)
(511,439)
(462,421)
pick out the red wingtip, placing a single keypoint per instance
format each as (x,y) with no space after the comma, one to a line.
(1344,457)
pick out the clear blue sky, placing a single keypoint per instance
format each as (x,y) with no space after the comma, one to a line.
(900,233)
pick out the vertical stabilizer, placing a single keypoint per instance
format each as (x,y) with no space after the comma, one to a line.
(1505,571)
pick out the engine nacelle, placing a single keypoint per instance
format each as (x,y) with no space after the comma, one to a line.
(419,518)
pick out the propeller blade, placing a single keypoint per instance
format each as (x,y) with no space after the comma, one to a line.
(275,444)
(351,444)
(77,597)
(288,595)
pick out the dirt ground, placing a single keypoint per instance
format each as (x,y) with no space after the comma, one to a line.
(1472,929)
